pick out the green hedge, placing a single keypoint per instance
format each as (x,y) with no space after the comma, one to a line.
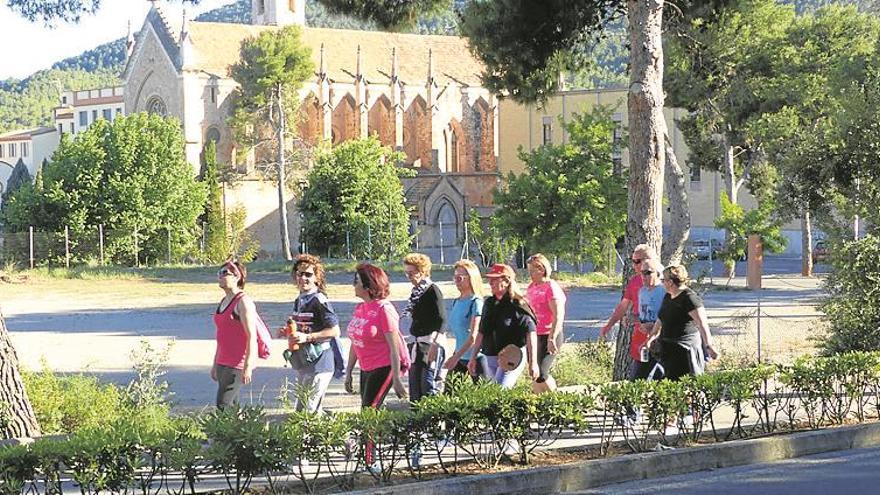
(150,451)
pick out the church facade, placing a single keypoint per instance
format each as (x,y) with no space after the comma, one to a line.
(420,94)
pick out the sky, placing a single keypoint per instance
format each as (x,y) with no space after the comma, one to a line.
(38,47)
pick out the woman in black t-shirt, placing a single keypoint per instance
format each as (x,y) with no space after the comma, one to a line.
(682,327)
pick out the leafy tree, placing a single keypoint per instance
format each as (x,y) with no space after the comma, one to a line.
(273,68)
(718,67)
(355,196)
(570,203)
(19,177)
(493,244)
(741,224)
(129,175)
(216,249)
(852,308)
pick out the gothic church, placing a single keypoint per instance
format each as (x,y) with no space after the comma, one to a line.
(419,94)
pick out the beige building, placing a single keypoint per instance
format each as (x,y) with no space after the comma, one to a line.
(80,109)
(530,126)
(419,94)
(31,146)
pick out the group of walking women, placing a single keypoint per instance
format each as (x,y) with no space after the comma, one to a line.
(671,336)
(497,337)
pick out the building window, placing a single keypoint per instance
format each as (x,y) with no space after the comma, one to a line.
(12,150)
(118,111)
(60,128)
(695,173)
(64,100)
(1,151)
(261,6)
(71,127)
(213,94)
(548,130)
(83,119)
(213,134)
(453,145)
(24,150)
(108,114)
(156,106)
(94,115)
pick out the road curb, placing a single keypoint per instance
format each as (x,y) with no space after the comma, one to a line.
(593,473)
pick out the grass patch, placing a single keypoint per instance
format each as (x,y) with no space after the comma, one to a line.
(584,363)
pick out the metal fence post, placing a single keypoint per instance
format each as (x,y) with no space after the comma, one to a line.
(31,245)
(137,261)
(66,246)
(101,243)
(442,258)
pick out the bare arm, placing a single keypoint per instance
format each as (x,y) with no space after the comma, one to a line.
(467,344)
(247,311)
(323,335)
(352,360)
(557,309)
(653,333)
(478,344)
(532,350)
(392,338)
(702,321)
(619,311)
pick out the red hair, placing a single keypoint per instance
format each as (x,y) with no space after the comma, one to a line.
(374,280)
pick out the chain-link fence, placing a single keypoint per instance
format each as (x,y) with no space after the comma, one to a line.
(97,246)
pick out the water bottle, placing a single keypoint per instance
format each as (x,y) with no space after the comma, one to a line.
(644,354)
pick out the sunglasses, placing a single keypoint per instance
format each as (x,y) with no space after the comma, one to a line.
(647,272)
(462,277)
(637,261)
(305,274)
(225,272)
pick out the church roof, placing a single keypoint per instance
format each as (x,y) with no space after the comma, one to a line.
(216,48)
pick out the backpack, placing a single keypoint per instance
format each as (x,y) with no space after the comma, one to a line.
(264,336)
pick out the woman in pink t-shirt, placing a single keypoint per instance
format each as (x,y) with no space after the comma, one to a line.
(235,319)
(547,300)
(375,338)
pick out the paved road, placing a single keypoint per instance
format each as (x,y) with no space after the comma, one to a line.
(844,472)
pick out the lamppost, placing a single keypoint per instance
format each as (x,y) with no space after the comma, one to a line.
(303,187)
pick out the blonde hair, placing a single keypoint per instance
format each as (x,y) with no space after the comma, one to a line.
(646,250)
(473,274)
(542,260)
(420,261)
(677,274)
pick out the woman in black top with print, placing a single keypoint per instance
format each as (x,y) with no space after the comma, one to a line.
(507,320)
(682,327)
(425,312)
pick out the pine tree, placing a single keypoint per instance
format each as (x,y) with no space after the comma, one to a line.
(216,249)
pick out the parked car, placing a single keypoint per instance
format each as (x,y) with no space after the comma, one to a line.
(821,252)
(699,248)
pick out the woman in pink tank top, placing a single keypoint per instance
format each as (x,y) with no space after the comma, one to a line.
(235,320)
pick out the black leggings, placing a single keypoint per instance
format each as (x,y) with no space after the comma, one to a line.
(374,386)
(545,359)
(482,370)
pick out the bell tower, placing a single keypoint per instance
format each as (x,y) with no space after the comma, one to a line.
(278,12)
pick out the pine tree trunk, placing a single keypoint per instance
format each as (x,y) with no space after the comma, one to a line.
(647,128)
(282,179)
(17,417)
(679,212)
(806,244)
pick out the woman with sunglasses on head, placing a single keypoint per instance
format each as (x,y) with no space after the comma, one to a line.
(464,320)
(682,327)
(507,323)
(235,320)
(628,304)
(316,325)
(547,300)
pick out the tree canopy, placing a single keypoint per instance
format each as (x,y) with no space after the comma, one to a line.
(570,202)
(129,175)
(355,197)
